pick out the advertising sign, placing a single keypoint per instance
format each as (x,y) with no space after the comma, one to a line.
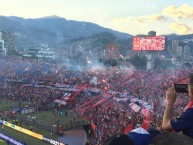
(23,130)
(9,139)
(28,132)
(149,43)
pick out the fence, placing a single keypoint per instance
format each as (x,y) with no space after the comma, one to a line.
(39,124)
(2,109)
(42,125)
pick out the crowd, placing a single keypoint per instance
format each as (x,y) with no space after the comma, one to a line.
(109,116)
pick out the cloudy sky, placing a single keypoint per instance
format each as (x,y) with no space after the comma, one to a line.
(130,16)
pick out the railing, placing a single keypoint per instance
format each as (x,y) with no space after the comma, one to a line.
(2,109)
(42,125)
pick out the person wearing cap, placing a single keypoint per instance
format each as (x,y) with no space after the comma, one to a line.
(138,136)
(184,122)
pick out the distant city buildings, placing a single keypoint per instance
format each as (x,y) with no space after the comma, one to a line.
(42,53)
(77,48)
(9,46)
(186,50)
(111,51)
(90,51)
(179,50)
(45,53)
(175,43)
(3,50)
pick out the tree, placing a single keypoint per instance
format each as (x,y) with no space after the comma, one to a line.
(139,62)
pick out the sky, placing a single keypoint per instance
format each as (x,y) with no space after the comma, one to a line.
(129,16)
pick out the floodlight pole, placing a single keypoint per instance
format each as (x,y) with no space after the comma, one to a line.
(150,60)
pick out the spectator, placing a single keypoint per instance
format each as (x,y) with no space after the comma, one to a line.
(184,121)
(118,139)
(137,136)
(172,139)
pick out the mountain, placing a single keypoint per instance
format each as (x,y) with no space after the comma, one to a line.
(174,36)
(58,32)
(181,37)
(171,36)
(51,30)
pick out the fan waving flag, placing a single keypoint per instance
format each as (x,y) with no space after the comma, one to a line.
(128,129)
(146,121)
(94,127)
(146,113)
(135,107)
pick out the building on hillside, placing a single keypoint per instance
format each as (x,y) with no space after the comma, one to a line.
(175,43)
(46,55)
(30,53)
(3,50)
(186,50)
(179,50)
(111,51)
(42,53)
(8,42)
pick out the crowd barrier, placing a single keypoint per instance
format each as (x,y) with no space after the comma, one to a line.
(30,133)
(9,139)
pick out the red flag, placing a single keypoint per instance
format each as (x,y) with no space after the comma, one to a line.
(190,105)
(146,113)
(93,126)
(146,123)
(94,129)
(128,129)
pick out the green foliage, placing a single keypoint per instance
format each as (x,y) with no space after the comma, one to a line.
(2,142)
(161,63)
(125,45)
(110,62)
(139,62)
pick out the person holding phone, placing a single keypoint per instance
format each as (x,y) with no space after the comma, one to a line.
(184,122)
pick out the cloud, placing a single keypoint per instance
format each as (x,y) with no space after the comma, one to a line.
(150,18)
(181,28)
(138,25)
(180,19)
(183,11)
(142,19)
